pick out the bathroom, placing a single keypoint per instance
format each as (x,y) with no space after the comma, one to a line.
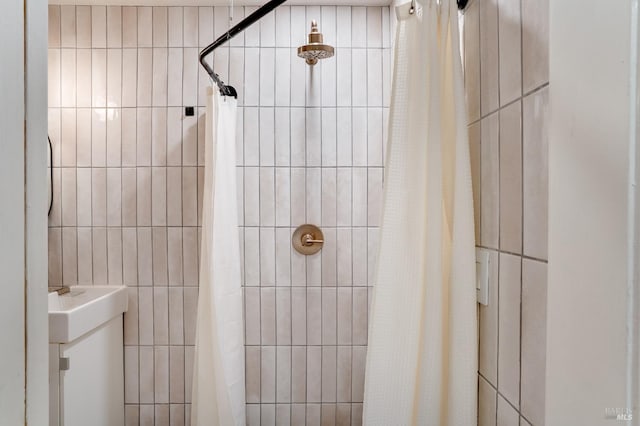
(125,102)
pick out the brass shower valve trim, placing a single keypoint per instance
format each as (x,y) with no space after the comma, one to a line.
(307,239)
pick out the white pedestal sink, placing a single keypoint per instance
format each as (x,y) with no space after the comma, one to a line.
(86,371)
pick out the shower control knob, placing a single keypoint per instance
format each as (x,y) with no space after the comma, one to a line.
(307,239)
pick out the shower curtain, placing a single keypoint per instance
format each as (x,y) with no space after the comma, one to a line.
(422,355)
(218,393)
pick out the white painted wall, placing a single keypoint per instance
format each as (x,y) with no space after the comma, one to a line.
(12,218)
(23,244)
(590,122)
(36,34)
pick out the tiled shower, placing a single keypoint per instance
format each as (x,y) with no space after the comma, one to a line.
(506,59)
(127,174)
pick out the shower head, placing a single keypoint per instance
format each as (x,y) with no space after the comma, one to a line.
(315,48)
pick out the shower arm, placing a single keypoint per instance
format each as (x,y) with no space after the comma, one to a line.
(226,90)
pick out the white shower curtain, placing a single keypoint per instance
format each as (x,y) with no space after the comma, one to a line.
(422,356)
(218,393)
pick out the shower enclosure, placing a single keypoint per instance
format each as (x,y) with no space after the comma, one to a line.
(128,161)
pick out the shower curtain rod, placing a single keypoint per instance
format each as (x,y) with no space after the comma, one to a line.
(462,4)
(226,90)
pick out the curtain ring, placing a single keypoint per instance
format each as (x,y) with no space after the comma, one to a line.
(412,9)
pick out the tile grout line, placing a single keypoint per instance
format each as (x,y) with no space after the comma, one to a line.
(366,204)
(260,252)
(350,396)
(499,394)
(480,233)
(90,139)
(335,22)
(523,256)
(499,258)
(166,200)
(537,89)
(291,377)
(522,222)
(306,293)
(275,216)
(320,101)
(140,346)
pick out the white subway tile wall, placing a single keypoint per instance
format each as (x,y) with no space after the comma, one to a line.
(128,167)
(506,80)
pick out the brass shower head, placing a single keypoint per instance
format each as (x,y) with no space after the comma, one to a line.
(315,48)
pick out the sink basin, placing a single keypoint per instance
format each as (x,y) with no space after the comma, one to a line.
(83,309)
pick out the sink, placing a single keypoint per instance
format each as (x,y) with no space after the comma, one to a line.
(83,309)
